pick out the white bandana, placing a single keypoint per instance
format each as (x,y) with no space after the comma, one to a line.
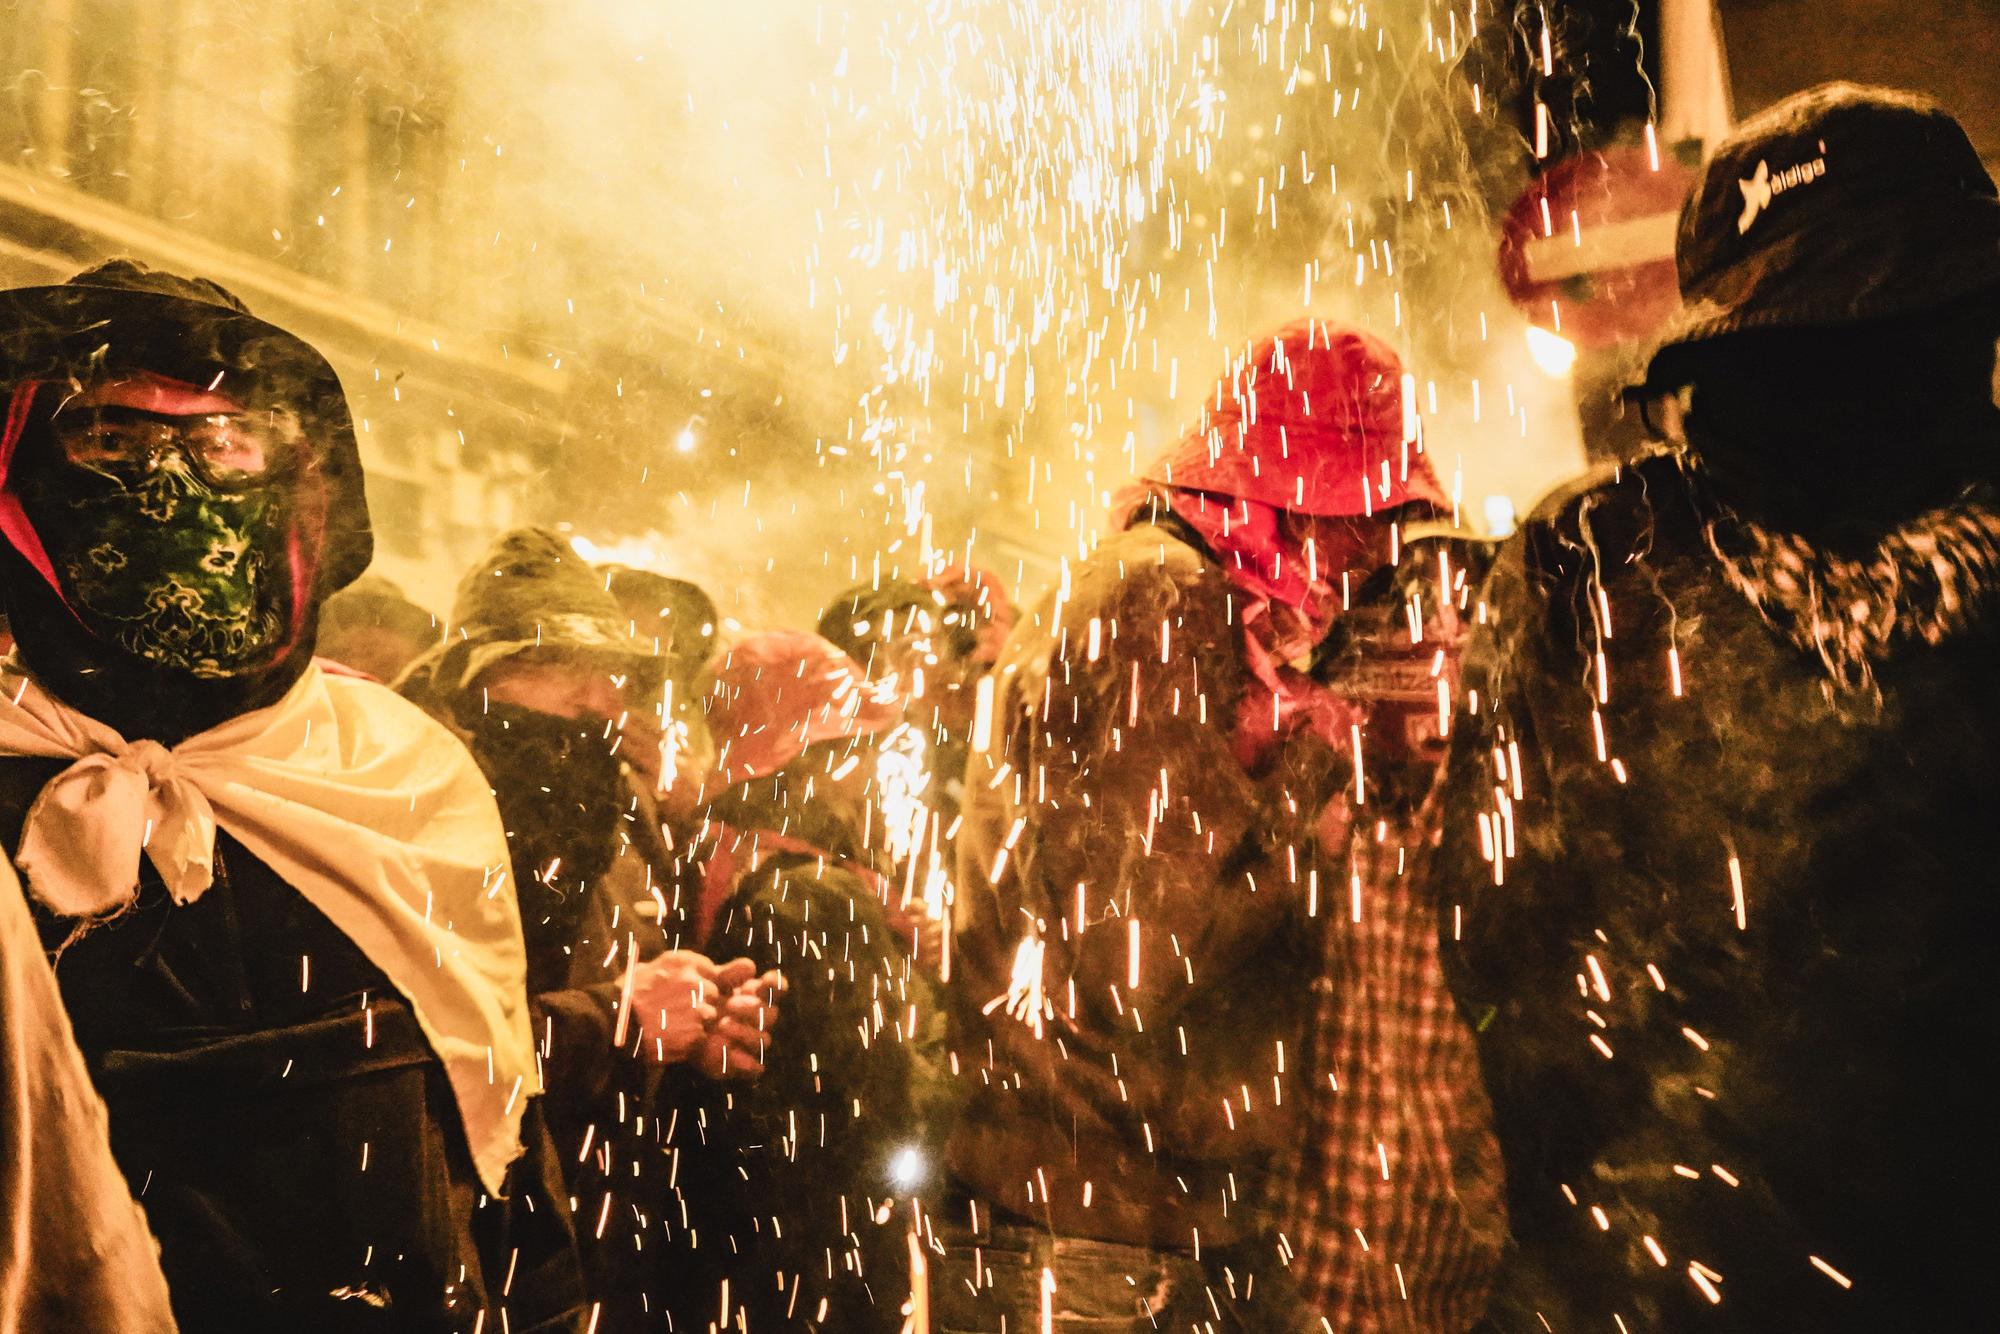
(355,797)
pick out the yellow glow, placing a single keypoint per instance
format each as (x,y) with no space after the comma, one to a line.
(1553,354)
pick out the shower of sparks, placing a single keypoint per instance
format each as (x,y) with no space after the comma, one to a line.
(1025,999)
(902,786)
(1014,242)
(1037,225)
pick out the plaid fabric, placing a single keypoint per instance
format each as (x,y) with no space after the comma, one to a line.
(1391,1212)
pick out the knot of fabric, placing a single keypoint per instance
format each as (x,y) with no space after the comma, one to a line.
(149,759)
(83,837)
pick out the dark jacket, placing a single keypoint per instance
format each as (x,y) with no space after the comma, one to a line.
(800,1182)
(600,1100)
(1735,1014)
(295,1144)
(1140,1114)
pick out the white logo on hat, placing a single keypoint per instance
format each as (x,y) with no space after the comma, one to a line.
(1759,190)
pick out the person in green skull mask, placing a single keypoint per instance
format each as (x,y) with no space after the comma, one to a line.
(172,509)
(272,887)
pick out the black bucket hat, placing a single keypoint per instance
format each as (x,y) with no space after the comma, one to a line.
(1840,205)
(531,593)
(123,316)
(865,618)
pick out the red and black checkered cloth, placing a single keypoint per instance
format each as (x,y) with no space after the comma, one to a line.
(1391,1209)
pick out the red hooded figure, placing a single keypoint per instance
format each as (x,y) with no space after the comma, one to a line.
(1155,869)
(797,1188)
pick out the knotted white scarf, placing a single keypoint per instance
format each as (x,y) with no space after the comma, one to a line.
(356,798)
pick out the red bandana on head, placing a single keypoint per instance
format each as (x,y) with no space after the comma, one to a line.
(1295,455)
(780,691)
(776,693)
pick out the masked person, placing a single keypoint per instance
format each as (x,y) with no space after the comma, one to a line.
(1723,855)
(1389,1202)
(680,621)
(805,1208)
(932,643)
(280,950)
(1146,898)
(676,616)
(543,679)
(917,648)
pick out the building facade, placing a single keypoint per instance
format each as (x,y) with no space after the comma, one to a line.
(301,158)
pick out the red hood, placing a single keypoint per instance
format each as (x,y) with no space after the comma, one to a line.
(1312,421)
(778,692)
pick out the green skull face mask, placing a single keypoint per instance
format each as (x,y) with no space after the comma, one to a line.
(170,567)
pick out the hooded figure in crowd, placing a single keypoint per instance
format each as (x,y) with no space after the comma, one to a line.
(680,622)
(934,640)
(678,618)
(807,1176)
(932,644)
(1154,874)
(549,688)
(1722,860)
(372,627)
(271,887)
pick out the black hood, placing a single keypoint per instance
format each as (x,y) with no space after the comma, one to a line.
(123,316)
(119,319)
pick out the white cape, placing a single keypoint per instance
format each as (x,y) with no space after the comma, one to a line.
(355,797)
(76,1253)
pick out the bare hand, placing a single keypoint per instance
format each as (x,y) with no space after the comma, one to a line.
(674,1001)
(738,1038)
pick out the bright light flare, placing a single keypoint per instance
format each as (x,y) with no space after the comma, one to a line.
(1025,999)
(1552,354)
(909,1169)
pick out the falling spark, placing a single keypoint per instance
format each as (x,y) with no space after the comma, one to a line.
(1360,781)
(982,716)
(919,1321)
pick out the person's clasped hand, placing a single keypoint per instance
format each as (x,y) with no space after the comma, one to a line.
(674,1000)
(741,1033)
(719,1016)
